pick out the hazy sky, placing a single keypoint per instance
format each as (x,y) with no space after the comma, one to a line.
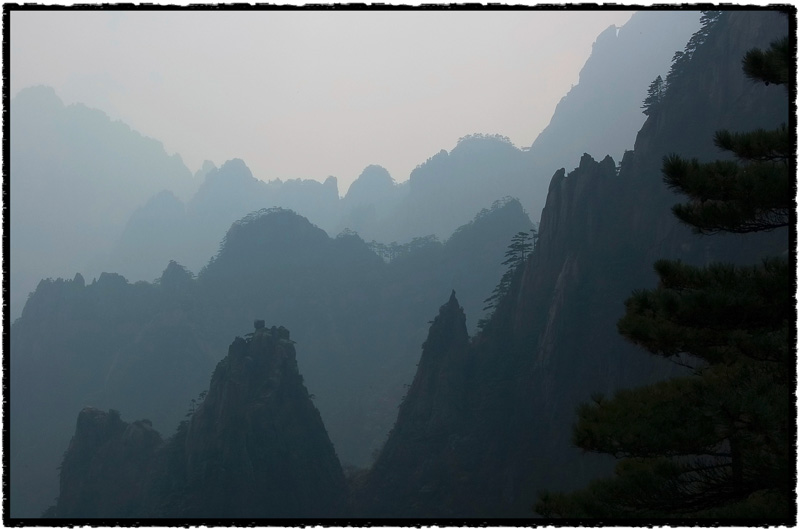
(307,94)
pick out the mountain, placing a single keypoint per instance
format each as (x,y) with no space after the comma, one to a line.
(141,249)
(446,190)
(146,349)
(600,115)
(140,348)
(370,198)
(610,90)
(360,311)
(432,421)
(255,447)
(166,228)
(105,468)
(359,317)
(75,176)
(511,393)
(64,156)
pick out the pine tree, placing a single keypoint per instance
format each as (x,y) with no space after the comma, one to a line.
(522,244)
(520,247)
(717,443)
(681,58)
(655,94)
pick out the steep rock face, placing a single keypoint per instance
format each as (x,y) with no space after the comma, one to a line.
(552,342)
(601,232)
(610,89)
(256,446)
(105,467)
(511,404)
(432,422)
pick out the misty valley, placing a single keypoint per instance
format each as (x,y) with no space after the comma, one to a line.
(598,326)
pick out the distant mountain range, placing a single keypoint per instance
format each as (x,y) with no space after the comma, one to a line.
(146,349)
(154,210)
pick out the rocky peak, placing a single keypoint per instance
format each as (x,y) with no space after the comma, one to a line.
(611,87)
(235,166)
(579,204)
(206,168)
(95,427)
(256,446)
(448,330)
(429,426)
(332,183)
(175,273)
(231,189)
(105,466)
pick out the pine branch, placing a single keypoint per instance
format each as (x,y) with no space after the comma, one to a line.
(771,66)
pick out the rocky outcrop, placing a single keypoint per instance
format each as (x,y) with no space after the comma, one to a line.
(429,434)
(254,447)
(105,467)
(610,89)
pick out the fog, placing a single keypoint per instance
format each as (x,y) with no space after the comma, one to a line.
(339,263)
(308,94)
(130,103)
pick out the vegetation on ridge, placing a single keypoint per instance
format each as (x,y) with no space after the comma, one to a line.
(717,442)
